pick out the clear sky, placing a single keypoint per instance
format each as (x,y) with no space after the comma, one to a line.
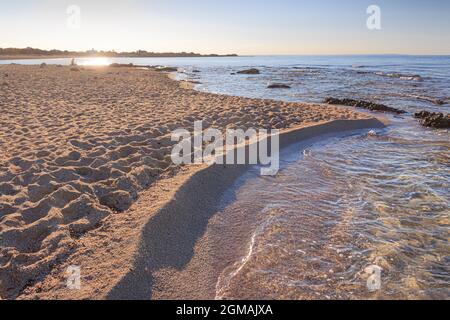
(230,26)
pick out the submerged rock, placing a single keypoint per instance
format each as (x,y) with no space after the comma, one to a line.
(364,104)
(278,86)
(249,71)
(433,119)
(436,101)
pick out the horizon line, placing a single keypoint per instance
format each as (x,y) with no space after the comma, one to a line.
(230,54)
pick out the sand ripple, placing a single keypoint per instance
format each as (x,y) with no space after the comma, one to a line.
(77,147)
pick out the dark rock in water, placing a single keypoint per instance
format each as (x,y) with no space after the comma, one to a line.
(121,65)
(233,73)
(364,104)
(433,119)
(278,86)
(196,71)
(249,71)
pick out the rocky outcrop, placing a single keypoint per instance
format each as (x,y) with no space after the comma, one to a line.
(364,104)
(278,86)
(249,71)
(433,119)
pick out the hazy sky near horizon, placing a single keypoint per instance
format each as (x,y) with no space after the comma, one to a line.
(230,26)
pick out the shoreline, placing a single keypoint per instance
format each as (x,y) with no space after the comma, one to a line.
(27,57)
(165,246)
(162,262)
(104,251)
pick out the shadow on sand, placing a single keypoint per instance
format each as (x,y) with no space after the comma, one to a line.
(169,238)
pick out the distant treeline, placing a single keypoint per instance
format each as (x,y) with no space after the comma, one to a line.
(94,53)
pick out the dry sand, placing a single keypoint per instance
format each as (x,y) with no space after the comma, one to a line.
(86,177)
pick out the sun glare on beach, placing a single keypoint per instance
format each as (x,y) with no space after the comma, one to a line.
(94,62)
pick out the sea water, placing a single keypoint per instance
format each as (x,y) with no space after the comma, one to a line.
(346,205)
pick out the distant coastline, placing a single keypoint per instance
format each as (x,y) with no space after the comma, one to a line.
(33,53)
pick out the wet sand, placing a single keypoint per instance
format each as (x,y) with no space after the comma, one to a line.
(86,177)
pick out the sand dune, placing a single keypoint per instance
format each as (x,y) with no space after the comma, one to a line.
(80,147)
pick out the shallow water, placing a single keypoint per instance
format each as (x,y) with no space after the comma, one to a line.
(336,208)
(347,204)
(343,204)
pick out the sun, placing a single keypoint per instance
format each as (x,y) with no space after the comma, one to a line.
(96,61)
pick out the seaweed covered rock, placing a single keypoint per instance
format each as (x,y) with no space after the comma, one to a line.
(278,86)
(249,71)
(433,119)
(364,104)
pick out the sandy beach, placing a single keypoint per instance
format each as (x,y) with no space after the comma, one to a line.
(86,178)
